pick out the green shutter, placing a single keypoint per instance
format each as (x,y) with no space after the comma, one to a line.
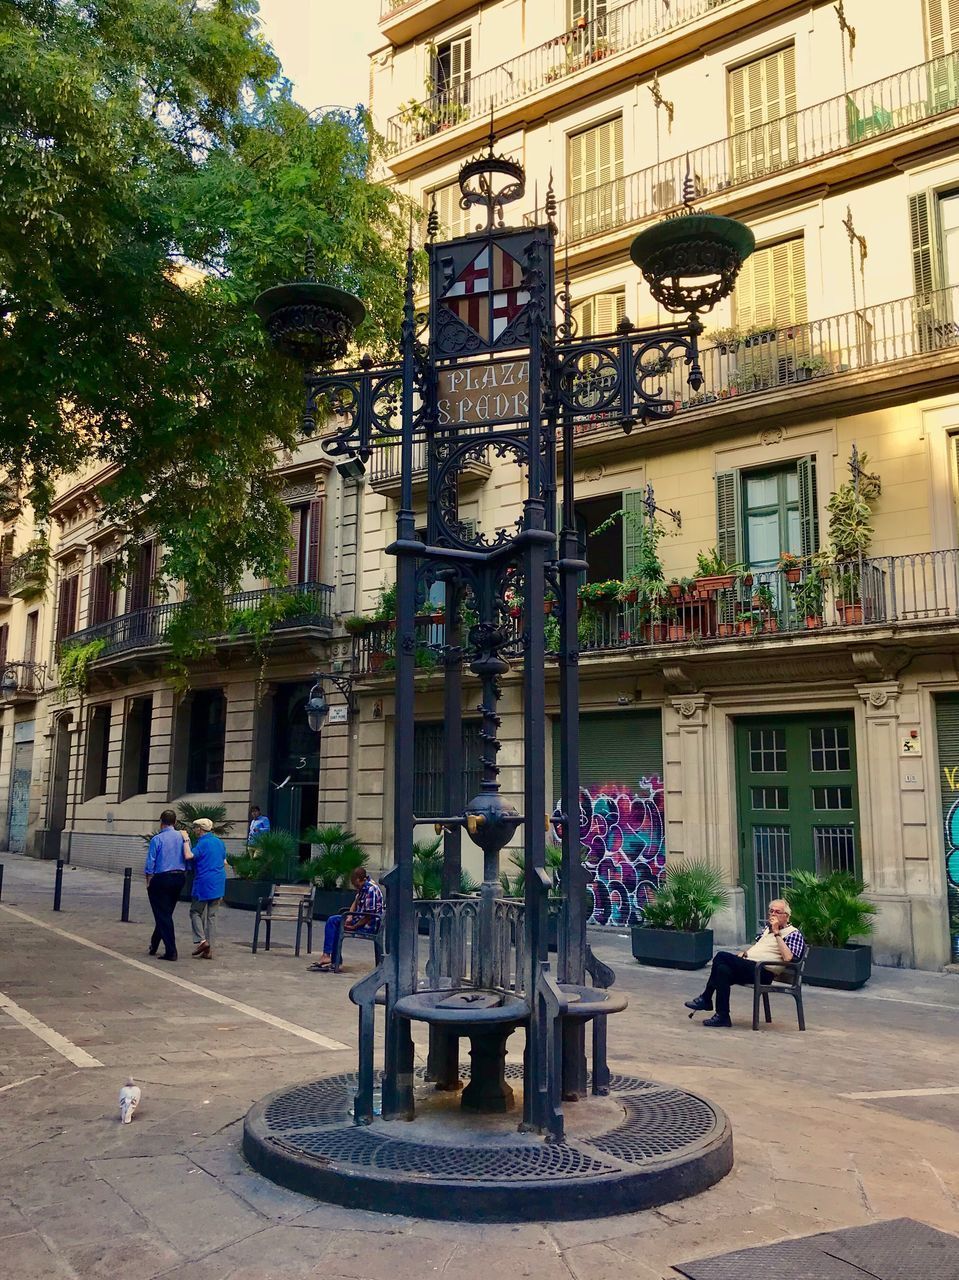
(632,531)
(808,505)
(618,748)
(729,516)
(924,257)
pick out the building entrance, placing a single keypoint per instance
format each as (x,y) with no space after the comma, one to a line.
(798,803)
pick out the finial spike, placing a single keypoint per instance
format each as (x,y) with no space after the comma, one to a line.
(551,203)
(310,259)
(689,185)
(433,221)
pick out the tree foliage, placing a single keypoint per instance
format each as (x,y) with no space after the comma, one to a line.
(155,176)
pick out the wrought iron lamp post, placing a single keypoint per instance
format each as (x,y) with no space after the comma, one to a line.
(494,366)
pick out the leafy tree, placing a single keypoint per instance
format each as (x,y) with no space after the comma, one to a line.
(155,176)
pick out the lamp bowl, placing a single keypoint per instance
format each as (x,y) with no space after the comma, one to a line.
(314,323)
(691,261)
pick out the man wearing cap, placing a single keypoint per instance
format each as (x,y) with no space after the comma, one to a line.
(209,885)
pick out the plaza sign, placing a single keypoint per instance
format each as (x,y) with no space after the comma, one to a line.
(483,394)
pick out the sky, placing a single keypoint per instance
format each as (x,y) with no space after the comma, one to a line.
(326,57)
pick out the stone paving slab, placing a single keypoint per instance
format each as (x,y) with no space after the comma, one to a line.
(170,1195)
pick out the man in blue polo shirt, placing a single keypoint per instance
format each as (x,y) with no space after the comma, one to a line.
(209,885)
(165,870)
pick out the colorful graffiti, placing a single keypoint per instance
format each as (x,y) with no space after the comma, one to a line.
(623,830)
(952,875)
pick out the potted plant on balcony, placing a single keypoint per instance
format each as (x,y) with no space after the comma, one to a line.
(727,340)
(338,855)
(808,595)
(675,932)
(601,595)
(811,367)
(357,625)
(749,622)
(850,536)
(830,911)
(790,566)
(271,858)
(713,573)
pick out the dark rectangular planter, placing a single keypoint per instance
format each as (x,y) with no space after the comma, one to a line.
(245,894)
(332,902)
(672,949)
(847,968)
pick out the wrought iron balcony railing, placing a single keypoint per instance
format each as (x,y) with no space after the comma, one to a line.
(853,342)
(825,129)
(309,602)
(22,681)
(630,25)
(876,591)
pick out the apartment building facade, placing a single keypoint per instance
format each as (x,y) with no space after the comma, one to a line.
(725,728)
(734,730)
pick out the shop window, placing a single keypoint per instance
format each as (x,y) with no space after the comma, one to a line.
(97,753)
(135,768)
(207,740)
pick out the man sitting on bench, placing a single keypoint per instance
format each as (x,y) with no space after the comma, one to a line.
(778,943)
(363,917)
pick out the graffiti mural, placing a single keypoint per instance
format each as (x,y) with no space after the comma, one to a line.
(952,875)
(623,831)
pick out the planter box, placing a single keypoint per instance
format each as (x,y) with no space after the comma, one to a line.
(245,894)
(715,582)
(847,968)
(670,949)
(331,902)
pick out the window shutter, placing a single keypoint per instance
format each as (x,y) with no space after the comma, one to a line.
(729,521)
(942,27)
(140,590)
(583,316)
(771,290)
(632,531)
(610,309)
(759,93)
(461,57)
(67,611)
(316,540)
(4,633)
(808,505)
(924,263)
(296,533)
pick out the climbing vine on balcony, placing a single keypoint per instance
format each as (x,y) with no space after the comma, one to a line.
(74,666)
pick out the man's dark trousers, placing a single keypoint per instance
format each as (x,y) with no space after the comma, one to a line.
(728,970)
(164,893)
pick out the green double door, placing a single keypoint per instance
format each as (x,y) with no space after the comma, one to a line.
(798,808)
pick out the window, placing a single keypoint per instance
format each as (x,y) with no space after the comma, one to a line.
(599,313)
(580,11)
(829,749)
(140,588)
(103,596)
(428,766)
(98,753)
(767,751)
(762,514)
(771,290)
(942,27)
(451,75)
(762,126)
(135,768)
(206,741)
(594,162)
(30,639)
(770,797)
(306,531)
(832,798)
(67,607)
(934,233)
(454,221)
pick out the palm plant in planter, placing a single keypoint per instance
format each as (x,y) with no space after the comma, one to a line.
(829,911)
(675,931)
(340,853)
(270,859)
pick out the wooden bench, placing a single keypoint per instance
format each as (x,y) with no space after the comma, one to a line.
(286,902)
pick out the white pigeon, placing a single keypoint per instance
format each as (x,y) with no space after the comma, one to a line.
(129,1101)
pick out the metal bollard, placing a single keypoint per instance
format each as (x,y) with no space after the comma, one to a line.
(1,880)
(127,882)
(58,885)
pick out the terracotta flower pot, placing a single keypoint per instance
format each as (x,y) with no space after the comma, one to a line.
(851,614)
(793,575)
(725,629)
(813,623)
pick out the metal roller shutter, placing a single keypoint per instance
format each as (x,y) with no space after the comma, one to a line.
(621,803)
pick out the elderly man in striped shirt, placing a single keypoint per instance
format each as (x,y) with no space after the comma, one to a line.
(778,943)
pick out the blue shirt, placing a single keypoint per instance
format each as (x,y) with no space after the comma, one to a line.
(165,852)
(209,874)
(262,823)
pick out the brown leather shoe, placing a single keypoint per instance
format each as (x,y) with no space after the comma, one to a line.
(208,954)
(201,948)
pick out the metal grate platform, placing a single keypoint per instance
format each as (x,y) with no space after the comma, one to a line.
(667,1145)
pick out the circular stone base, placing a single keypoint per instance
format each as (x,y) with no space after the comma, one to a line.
(645,1144)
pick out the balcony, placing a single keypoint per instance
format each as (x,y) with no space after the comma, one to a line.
(21,682)
(551,65)
(834,363)
(843,126)
(403,20)
(28,573)
(909,598)
(309,603)
(384,475)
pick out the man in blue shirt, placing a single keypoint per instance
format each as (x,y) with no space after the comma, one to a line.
(165,870)
(258,822)
(209,885)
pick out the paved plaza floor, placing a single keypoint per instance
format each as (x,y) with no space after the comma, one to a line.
(853,1122)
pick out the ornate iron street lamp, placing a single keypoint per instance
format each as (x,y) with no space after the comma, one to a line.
(494,368)
(318,707)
